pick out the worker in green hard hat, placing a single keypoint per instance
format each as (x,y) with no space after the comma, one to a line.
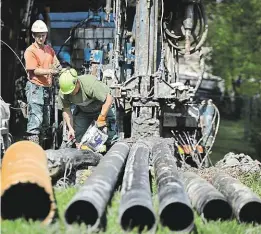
(93,102)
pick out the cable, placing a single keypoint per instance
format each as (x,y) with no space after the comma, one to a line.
(72,30)
(15,54)
(199,16)
(214,137)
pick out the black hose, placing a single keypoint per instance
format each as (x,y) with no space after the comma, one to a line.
(199,15)
(71,33)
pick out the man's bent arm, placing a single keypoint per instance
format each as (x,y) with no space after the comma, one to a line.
(106,106)
(41,71)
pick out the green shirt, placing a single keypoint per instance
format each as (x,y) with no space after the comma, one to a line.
(92,91)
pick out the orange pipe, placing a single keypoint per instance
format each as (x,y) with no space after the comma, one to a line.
(26,188)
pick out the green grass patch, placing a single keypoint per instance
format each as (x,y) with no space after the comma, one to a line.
(230,138)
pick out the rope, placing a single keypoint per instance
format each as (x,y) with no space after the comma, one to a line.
(14,54)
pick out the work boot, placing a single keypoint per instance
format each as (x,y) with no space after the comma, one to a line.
(33,138)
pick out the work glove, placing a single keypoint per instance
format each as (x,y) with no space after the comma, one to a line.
(101,121)
(84,147)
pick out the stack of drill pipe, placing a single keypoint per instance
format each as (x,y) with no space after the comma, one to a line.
(89,204)
(174,206)
(136,208)
(26,190)
(205,198)
(246,204)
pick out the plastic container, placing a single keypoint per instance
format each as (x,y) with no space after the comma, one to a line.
(94,138)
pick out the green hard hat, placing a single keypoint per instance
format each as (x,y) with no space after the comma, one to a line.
(67,80)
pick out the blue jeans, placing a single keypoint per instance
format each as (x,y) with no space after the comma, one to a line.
(38,100)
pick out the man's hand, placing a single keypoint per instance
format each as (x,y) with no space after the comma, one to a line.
(54,71)
(71,133)
(101,121)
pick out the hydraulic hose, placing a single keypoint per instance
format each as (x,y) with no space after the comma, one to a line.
(201,36)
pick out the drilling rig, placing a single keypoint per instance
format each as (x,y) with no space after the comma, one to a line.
(152,39)
(142,52)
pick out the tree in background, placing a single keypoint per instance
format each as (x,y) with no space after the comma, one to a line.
(235,35)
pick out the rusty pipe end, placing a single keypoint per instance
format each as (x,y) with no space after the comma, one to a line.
(26,190)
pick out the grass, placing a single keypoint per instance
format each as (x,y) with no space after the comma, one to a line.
(229,139)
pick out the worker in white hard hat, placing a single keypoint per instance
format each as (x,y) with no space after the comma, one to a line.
(41,64)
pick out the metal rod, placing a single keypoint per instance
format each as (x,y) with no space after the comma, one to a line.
(136,209)
(89,204)
(141,38)
(174,206)
(155,39)
(246,204)
(108,9)
(152,48)
(206,199)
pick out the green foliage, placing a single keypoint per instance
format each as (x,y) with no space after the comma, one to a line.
(234,34)
(230,138)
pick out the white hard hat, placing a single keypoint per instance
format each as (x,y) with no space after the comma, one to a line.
(39,26)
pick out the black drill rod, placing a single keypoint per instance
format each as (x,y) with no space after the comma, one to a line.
(136,208)
(89,204)
(174,206)
(246,204)
(206,199)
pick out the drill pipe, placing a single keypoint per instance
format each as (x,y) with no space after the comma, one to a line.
(207,200)
(89,204)
(246,205)
(57,159)
(136,209)
(174,206)
(26,190)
